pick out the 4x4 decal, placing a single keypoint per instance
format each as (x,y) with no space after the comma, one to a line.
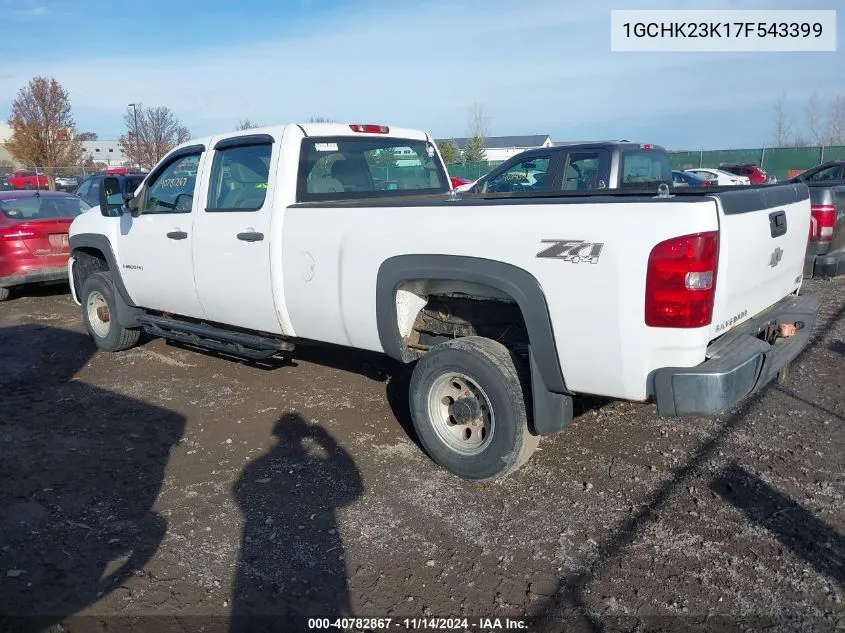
(574,251)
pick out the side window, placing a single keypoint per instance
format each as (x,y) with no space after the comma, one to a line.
(527,175)
(172,191)
(581,172)
(83,188)
(239,177)
(94,191)
(831,173)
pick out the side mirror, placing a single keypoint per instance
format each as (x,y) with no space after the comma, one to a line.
(111,200)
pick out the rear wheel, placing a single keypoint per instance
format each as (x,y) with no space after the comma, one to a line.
(468,408)
(27,186)
(99,312)
(4,294)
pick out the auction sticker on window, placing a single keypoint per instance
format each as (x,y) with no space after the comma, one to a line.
(723,31)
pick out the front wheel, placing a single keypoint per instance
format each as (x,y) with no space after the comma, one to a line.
(4,294)
(468,407)
(99,315)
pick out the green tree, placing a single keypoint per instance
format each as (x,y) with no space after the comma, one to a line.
(474,150)
(450,152)
(384,158)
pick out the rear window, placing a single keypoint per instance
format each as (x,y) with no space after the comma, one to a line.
(42,207)
(643,168)
(343,168)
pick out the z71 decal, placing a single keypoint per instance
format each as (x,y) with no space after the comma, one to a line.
(574,251)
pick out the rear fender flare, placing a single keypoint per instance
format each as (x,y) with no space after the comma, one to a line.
(511,280)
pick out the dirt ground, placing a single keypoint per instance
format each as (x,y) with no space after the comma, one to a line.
(186,488)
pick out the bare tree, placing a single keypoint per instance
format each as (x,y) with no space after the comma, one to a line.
(782,134)
(87,136)
(321,119)
(43,130)
(246,124)
(836,121)
(479,127)
(813,115)
(479,121)
(150,135)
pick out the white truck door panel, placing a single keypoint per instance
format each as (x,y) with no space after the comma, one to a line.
(233,232)
(154,249)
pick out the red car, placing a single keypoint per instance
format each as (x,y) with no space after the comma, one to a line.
(756,175)
(23,179)
(33,236)
(457,181)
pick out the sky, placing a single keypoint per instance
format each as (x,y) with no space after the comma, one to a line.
(538,68)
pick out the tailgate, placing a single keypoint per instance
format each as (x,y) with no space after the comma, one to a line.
(762,242)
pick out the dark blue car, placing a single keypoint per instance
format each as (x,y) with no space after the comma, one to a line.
(89,189)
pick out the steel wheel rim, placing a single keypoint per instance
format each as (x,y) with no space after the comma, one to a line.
(461,414)
(99,315)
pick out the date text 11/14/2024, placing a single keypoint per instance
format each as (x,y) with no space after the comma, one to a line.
(415,624)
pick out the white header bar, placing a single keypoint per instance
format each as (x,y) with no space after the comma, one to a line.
(722,31)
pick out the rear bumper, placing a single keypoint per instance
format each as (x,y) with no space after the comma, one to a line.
(738,363)
(829,264)
(39,275)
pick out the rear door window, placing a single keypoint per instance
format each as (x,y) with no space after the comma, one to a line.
(585,170)
(239,178)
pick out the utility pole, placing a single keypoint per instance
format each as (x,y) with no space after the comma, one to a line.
(137,142)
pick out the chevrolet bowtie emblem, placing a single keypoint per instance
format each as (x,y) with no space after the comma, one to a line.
(777,255)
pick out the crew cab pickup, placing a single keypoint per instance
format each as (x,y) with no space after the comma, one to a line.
(506,305)
(22,179)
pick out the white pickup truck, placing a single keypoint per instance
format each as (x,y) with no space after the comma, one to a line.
(508,304)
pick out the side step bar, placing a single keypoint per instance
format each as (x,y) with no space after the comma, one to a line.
(200,335)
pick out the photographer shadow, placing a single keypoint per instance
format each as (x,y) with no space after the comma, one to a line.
(292,564)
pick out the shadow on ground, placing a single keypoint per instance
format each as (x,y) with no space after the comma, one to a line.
(81,468)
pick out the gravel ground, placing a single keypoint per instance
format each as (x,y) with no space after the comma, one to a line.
(187,488)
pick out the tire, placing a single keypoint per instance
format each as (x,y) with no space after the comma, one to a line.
(468,408)
(98,306)
(27,186)
(4,294)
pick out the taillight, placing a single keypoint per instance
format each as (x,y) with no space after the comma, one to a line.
(822,222)
(681,281)
(13,233)
(369,129)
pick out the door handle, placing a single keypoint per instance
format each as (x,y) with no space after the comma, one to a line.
(250,236)
(177,235)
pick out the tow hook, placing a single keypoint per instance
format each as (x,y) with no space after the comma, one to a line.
(786,330)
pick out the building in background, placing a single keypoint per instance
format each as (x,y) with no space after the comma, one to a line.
(109,153)
(7,162)
(501,148)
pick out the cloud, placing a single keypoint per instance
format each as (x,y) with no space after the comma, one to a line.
(423,64)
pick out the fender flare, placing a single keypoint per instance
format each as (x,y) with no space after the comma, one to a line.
(127,311)
(102,244)
(515,282)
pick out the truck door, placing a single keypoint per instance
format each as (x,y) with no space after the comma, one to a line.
(232,258)
(154,248)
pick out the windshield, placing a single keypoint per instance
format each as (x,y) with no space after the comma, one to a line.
(43,207)
(343,168)
(644,168)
